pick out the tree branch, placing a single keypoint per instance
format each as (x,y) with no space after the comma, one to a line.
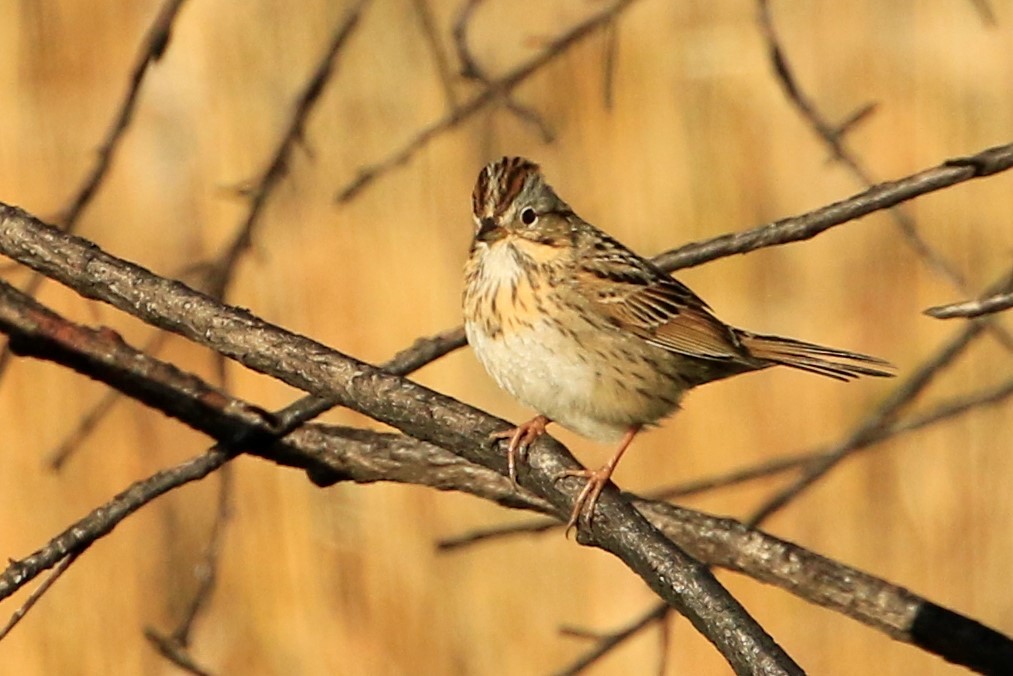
(411,408)
(363,456)
(495,91)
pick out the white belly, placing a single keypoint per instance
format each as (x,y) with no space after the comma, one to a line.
(540,367)
(593,379)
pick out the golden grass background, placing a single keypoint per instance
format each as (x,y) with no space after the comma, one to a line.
(699,141)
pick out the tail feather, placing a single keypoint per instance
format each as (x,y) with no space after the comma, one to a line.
(825,361)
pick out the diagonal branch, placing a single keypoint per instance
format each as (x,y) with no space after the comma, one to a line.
(495,91)
(991,303)
(278,166)
(878,197)
(364,456)
(833,137)
(156,41)
(472,71)
(153,47)
(415,410)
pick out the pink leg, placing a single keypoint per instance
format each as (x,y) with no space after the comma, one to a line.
(596,481)
(521,437)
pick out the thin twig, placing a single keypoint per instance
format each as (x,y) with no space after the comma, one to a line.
(472,71)
(606,643)
(153,47)
(976,308)
(278,166)
(440,60)
(496,89)
(175,646)
(834,139)
(34,597)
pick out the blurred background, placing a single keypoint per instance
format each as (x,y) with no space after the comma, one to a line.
(667,126)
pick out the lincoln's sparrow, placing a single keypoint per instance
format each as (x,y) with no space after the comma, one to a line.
(591,335)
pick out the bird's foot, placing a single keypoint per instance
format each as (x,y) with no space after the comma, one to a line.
(521,438)
(585,503)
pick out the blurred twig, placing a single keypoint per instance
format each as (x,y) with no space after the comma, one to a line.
(605,643)
(833,136)
(153,47)
(278,166)
(986,12)
(472,71)
(1001,300)
(429,31)
(175,646)
(34,597)
(496,89)
(609,64)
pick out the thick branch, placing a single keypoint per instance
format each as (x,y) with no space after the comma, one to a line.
(331,454)
(411,408)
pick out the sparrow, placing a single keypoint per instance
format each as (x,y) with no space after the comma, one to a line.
(593,336)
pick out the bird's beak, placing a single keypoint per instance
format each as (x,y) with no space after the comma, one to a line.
(489,231)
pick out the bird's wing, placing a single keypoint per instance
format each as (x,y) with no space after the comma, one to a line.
(640,298)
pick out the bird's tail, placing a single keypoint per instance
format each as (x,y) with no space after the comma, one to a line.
(826,361)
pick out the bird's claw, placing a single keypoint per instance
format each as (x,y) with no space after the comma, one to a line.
(521,438)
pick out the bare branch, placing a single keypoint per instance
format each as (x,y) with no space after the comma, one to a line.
(472,71)
(278,166)
(834,140)
(991,303)
(496,89)
(365,456)
(806,226)
(411,408)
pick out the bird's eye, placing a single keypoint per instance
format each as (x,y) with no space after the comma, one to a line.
(528,216)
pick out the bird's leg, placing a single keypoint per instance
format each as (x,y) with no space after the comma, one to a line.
(521,437)
(596,481)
